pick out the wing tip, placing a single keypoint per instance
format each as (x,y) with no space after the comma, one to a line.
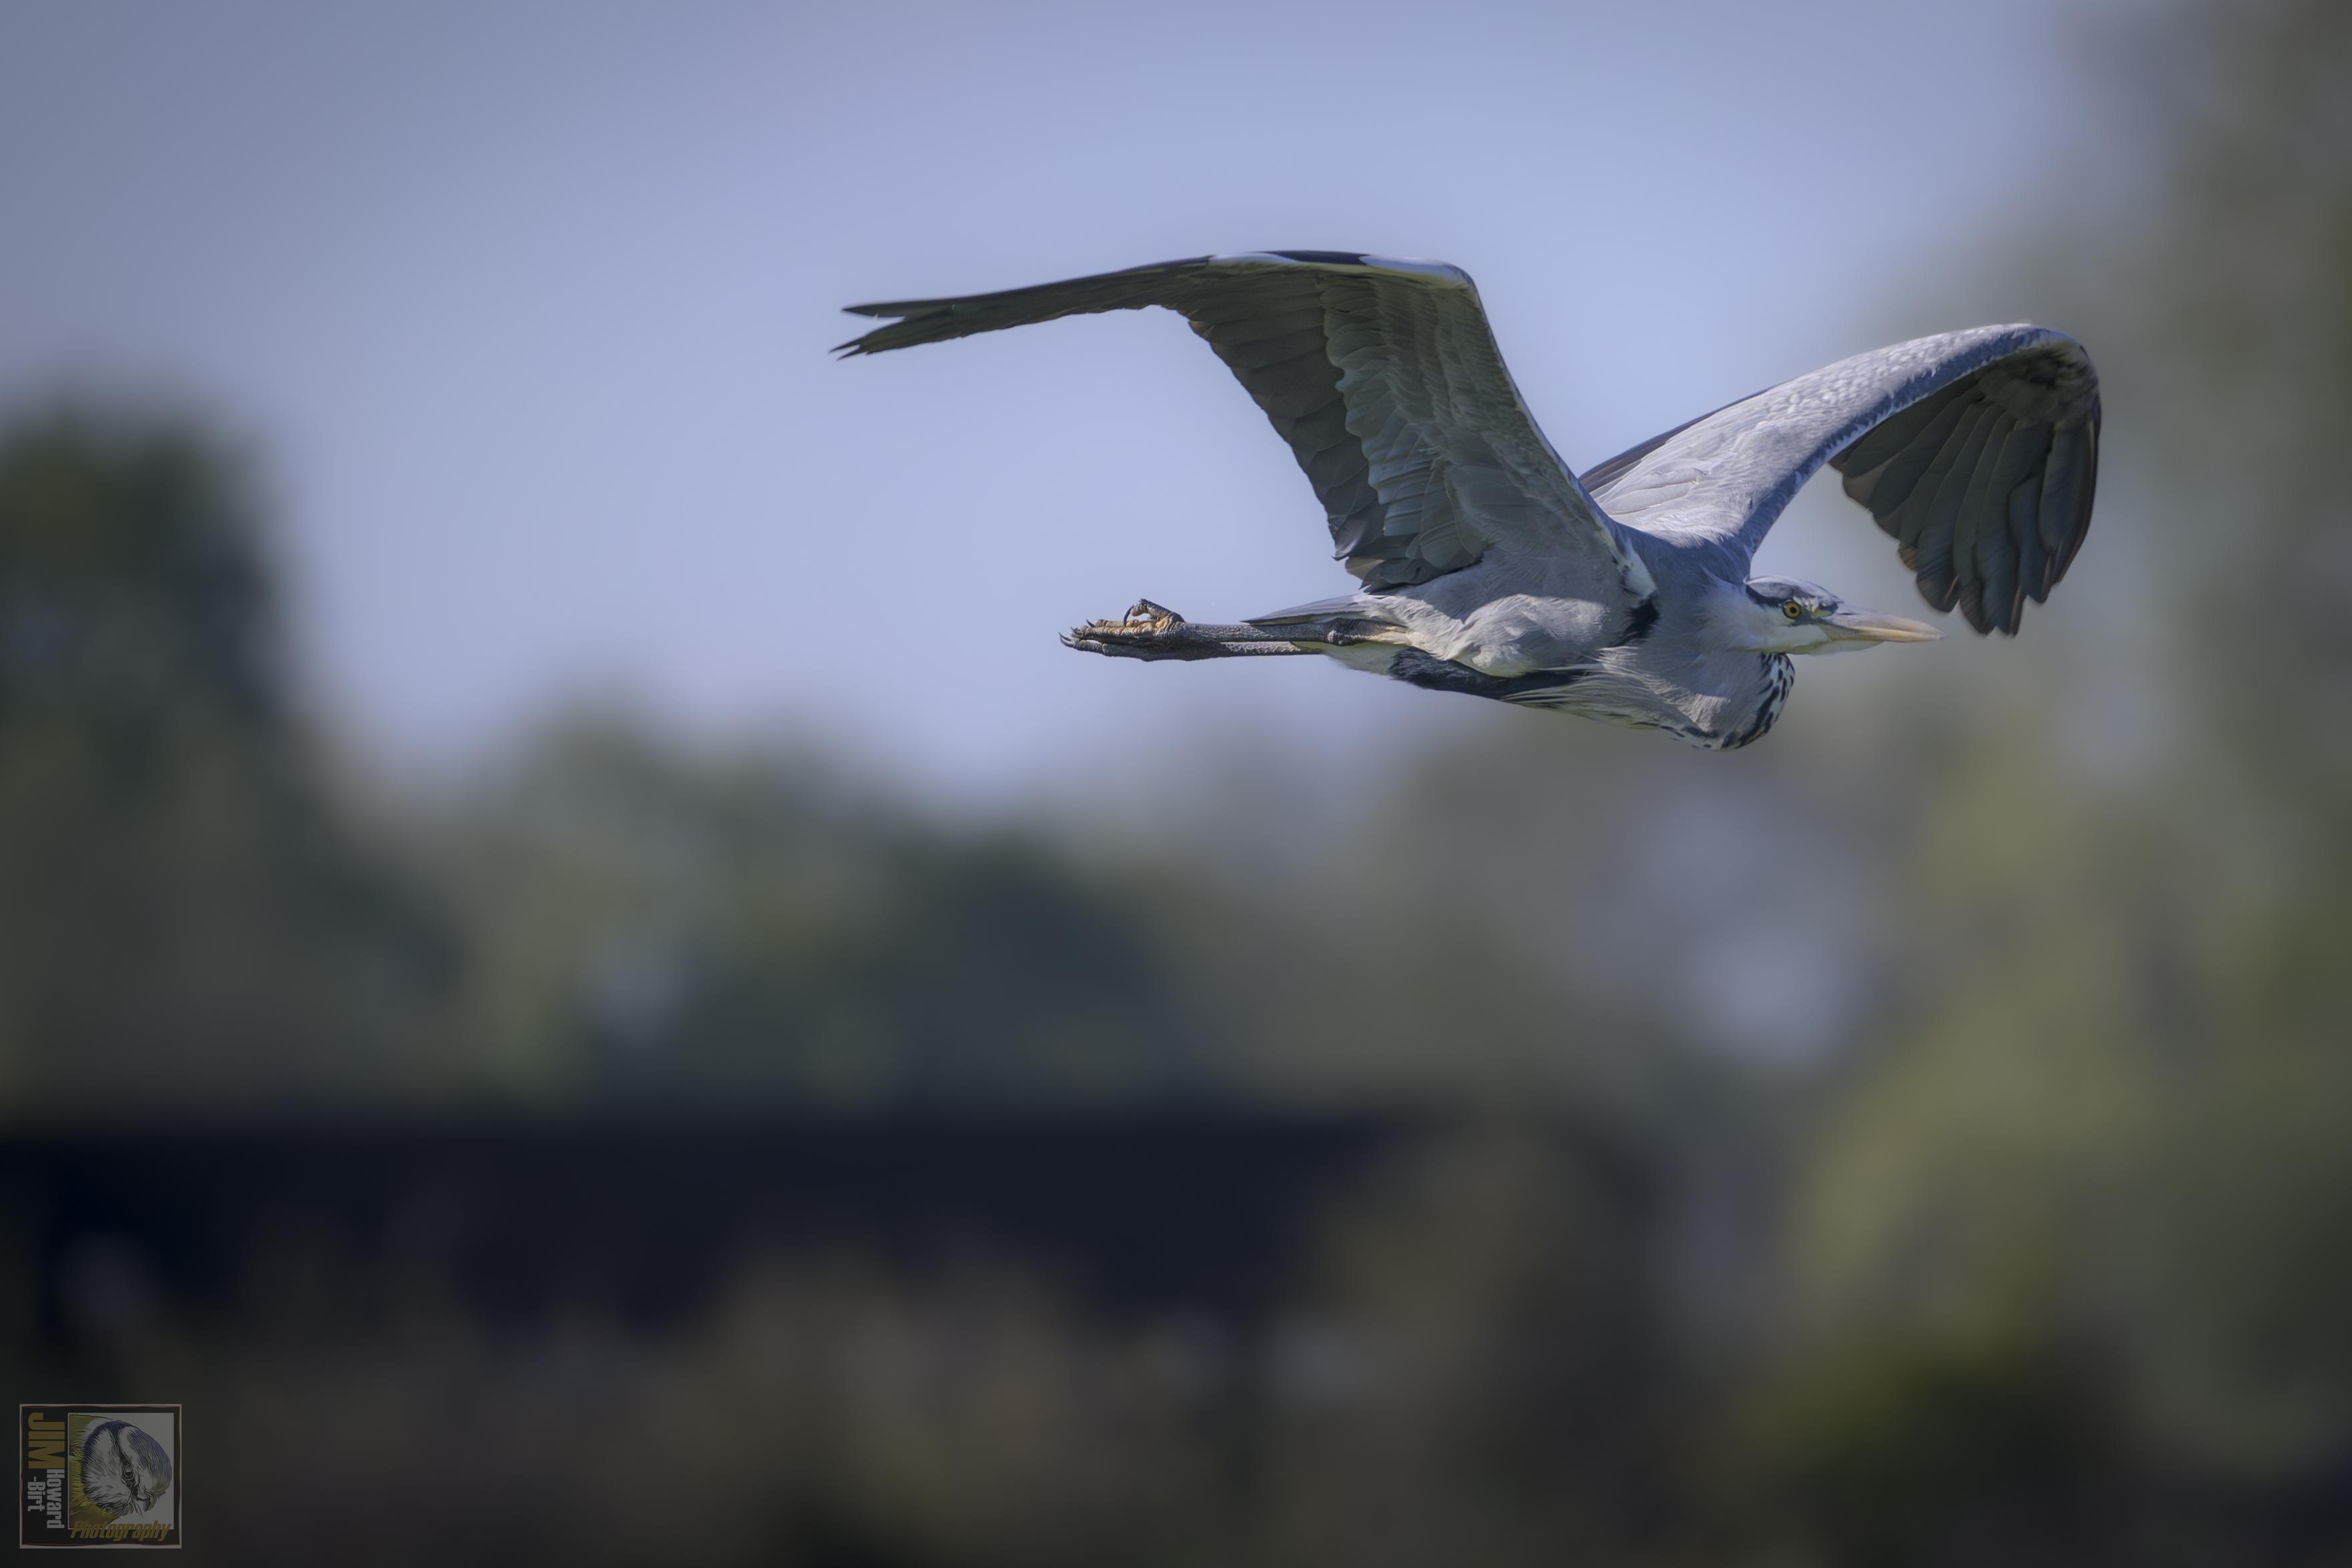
(863,343)
(903,325)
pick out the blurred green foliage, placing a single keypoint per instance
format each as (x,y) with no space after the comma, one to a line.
(2118,1099)
(185,916)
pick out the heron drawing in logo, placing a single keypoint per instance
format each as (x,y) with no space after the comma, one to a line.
(123,1469)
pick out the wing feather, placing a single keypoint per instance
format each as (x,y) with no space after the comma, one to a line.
(1964,492)
(2024,529)
(1280,349)
(1901,474)
(1880,445)
(1999,555)
(1977,451)
(1383,378)
(2066,490)
(1912,523)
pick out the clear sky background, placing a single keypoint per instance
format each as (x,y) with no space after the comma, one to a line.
(525,309)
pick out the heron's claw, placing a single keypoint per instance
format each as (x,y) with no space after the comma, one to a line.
(1156,617)
(1131,636)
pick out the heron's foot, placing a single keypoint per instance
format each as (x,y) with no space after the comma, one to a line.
(1147,631)
(1152,631)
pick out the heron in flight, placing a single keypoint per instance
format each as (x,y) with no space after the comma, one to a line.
(1487,566)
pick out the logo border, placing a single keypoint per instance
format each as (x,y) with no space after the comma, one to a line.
(179,1455)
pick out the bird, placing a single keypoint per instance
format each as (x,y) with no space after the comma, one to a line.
(124,1470)
(1485,565)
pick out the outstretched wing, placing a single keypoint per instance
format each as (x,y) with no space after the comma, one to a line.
(1384,377)
(1978,450)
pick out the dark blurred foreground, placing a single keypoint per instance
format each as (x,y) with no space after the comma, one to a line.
(640,1154)
(1205,1338)
(1139,1337)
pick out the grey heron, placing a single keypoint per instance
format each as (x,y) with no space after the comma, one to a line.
(1486,565)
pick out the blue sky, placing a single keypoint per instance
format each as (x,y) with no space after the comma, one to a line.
(525,311)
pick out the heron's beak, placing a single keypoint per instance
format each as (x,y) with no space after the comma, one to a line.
(1873,626)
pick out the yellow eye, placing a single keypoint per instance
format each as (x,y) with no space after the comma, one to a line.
(1793,611)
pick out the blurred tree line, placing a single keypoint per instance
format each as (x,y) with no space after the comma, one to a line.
(188,914)
(203,905)
(2114,1104)
(2047,1259)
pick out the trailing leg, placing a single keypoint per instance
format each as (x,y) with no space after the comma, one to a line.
(1152,631)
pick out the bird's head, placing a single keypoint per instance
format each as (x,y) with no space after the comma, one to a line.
(123,1469)
(1781,615)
